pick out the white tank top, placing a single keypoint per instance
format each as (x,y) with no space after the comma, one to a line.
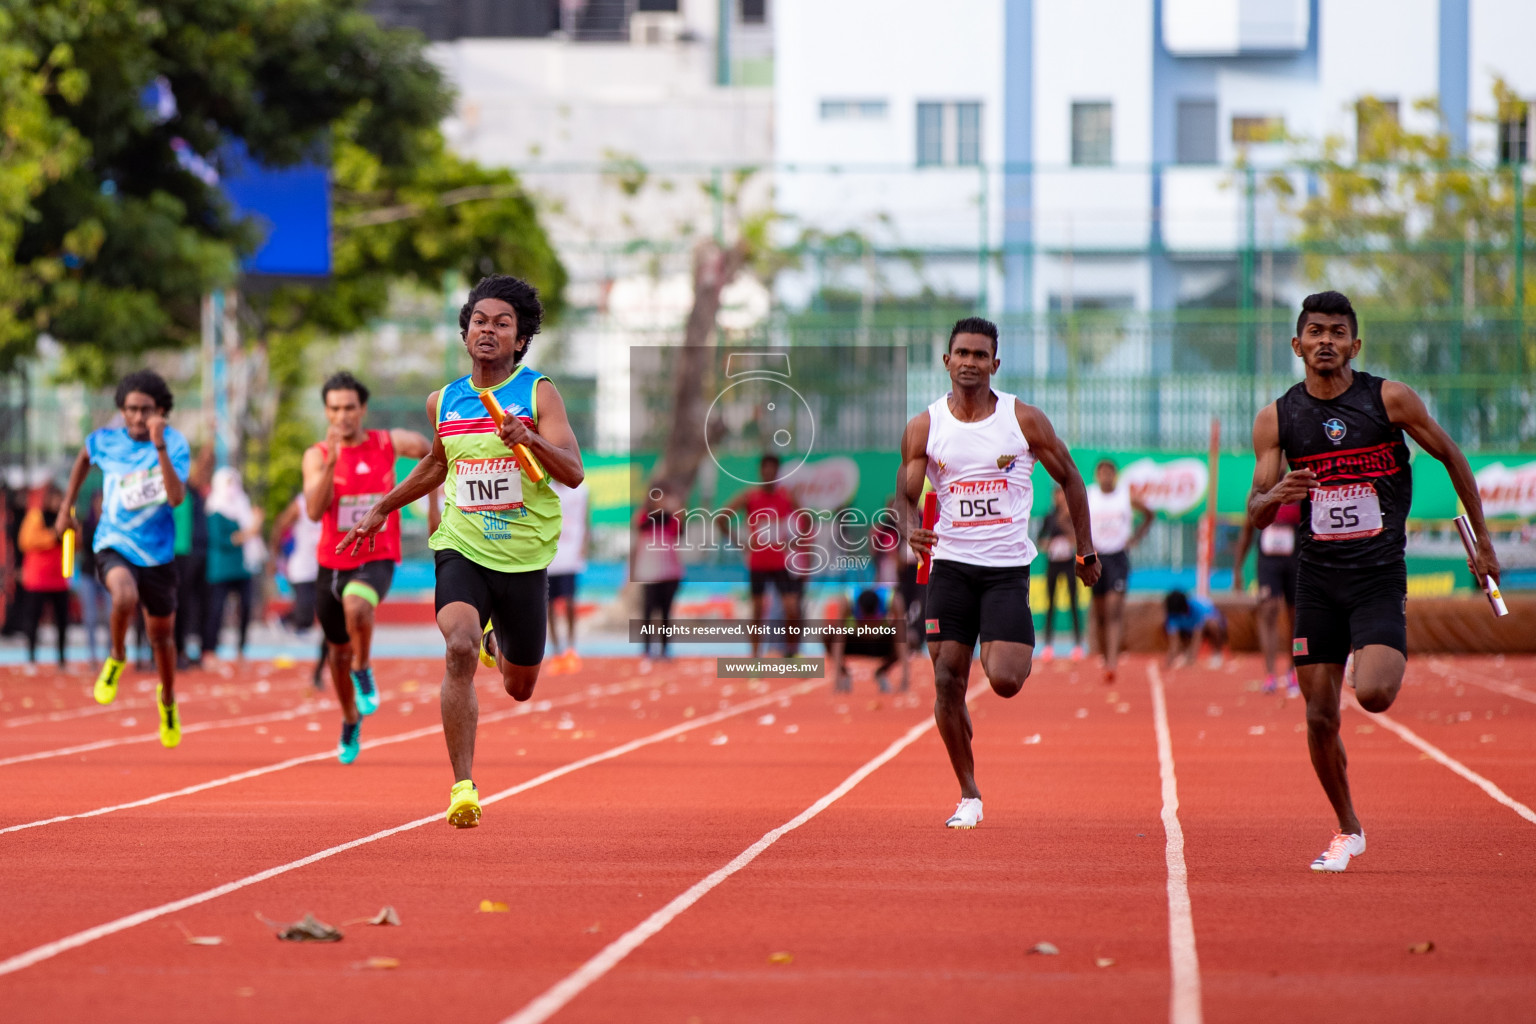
(1111,516)
(981,473)
(573,529)
(304,562)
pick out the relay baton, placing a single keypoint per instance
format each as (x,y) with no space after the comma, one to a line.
(69,553)
(1469,541)
(524,456)
(930,520)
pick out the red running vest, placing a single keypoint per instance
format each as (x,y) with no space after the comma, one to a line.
(364,474)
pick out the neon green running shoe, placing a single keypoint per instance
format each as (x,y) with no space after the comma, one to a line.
(106,681)
(170,722)
(464,805)
(487,656)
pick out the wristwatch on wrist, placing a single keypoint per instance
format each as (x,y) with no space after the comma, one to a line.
(1088,559)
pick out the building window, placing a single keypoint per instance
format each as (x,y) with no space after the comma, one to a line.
(1515,134)
(1092,134)
(930,134)
(853,110)
(1375,125)
(1196,129)
(968,134)
(753,12)
(948,134)
(1247,131)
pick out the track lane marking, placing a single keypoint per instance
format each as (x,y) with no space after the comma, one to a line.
(1411,738)
(1497,686)
(307,708)
(138,703)
(1184,1001)
(47,951)
(431,730)
(555,998)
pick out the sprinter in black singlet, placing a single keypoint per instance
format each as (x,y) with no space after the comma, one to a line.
(1341,432)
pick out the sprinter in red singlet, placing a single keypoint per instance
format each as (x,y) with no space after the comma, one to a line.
(343,476)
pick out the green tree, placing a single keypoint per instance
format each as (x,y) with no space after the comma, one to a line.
(1414,227)
(122,244)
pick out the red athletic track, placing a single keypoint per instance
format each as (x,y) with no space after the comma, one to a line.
(888,916)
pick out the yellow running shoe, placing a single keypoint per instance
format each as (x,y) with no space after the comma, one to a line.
(170,722)
(464,805)
(106,681)
(487,658)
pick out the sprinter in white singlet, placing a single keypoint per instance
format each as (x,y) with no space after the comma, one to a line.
(978,446)
(1113,509)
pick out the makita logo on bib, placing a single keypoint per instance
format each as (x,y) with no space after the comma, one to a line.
(1335,429)
(978,487)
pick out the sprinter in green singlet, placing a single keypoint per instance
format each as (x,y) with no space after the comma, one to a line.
(499,527)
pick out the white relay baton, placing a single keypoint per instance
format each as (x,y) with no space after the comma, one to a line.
(1469,541)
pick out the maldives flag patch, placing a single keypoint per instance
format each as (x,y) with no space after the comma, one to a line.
(1299,646)
(931,625)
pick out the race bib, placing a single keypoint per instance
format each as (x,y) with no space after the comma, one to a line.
(979,503)
(141,489)
(1277,539)
(488,485)
(1347,512)
(351,508)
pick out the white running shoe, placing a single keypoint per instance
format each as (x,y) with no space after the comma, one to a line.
(967,814)
(1336,857)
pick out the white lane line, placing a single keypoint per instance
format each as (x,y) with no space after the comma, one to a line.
(1411,738)
(572,985)
(134,703)
(308,708)
(293,762)
(1497,686)
(1184,1004)
(47,951)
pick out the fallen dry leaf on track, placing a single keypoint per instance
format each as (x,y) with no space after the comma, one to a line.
(200,940)
(379,963)
(493,907)
(311,929)
(781,958)
(595,927)
(385,916)
(1422,947)
(1104,961)
(1044,948)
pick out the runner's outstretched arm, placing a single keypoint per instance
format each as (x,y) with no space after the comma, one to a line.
(1406,409)
(428,475)
(1270,488)
(554,443)
(1052,453)
(909,486)
(65,519)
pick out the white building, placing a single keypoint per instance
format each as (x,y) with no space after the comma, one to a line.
(1093,142)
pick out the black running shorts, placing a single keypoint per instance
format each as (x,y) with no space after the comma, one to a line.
(1116,574)
(966,602)
(1342,610)
(515,603)
(332,585)
(784,581)
(1277,577)
(156,583)
(562,586)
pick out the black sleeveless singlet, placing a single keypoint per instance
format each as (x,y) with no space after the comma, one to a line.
(1356,513)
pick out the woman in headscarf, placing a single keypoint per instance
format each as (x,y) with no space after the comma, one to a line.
(235,553)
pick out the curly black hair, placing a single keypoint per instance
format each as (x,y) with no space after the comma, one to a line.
(974,325)
(146,382)
(342,380)
(515,292)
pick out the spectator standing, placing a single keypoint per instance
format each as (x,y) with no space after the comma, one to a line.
(42,569)
(233,558)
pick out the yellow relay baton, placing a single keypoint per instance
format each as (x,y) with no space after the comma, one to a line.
(68,542)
